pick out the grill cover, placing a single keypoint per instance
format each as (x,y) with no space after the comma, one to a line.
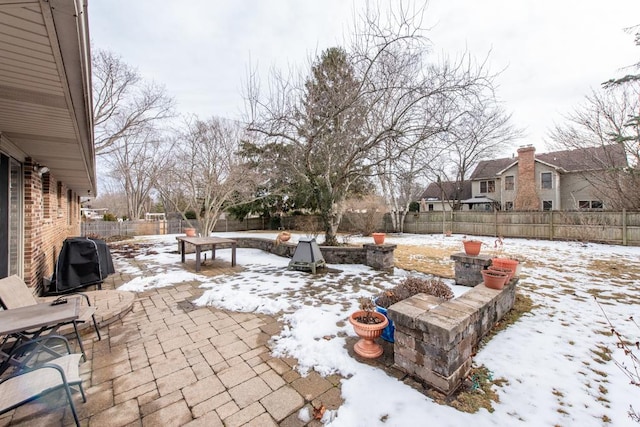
(82,262)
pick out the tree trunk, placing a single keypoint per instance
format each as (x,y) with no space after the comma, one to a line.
(331,221)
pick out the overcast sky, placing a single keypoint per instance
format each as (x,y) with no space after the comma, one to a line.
(552,52)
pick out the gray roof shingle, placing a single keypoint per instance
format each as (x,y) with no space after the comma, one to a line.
(581,159)
(451,191)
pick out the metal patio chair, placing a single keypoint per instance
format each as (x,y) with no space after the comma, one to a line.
(32,378)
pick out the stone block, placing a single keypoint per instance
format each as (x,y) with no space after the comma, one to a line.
(404,364)
(405,312)
(445,384)
(467,268)
(379,257)
(403,339)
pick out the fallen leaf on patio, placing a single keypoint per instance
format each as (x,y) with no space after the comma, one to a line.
(319,411)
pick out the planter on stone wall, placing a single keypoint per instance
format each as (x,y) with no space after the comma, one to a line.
(494,279)
(190,232)
(509,263)
(378,238)
(283,236)
(472,247)
(509,271)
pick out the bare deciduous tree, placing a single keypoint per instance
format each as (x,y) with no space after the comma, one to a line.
(137,160)
(124,105)
(359,108)
(481,130)
(603,122)
(206,174)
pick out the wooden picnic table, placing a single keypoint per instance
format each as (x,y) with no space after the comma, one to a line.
(203,243)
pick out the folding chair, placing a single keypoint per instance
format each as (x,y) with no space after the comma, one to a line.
(14,293)
(31,380)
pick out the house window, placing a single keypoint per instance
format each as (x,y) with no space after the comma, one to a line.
(590,204)
(508,206)
(509,183)
(69,206)
(546,180)
(547,205)
(430,207)
(487,186)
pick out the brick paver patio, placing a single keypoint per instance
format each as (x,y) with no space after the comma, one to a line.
(169,363)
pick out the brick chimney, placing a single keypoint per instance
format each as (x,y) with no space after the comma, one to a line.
(527,198)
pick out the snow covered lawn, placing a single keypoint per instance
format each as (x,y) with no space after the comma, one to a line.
(557,359)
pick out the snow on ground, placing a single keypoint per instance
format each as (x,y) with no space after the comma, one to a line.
(555,358)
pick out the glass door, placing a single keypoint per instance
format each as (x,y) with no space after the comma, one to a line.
(15,218)
(11,204)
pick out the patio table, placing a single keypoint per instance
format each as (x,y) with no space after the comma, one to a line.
(203,243)
(25,323)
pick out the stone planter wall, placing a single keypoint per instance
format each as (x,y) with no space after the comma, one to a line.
(468,268)
(379,257)
(434,340)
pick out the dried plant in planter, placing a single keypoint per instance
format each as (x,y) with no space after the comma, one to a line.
(368,307)
(414,285)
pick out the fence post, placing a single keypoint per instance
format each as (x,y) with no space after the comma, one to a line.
(624,227)
(551,229)
(495,229)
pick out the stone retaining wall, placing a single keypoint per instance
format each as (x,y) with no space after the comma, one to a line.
(434,340)
(379,257)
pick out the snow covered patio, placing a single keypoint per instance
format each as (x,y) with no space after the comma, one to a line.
(259,343)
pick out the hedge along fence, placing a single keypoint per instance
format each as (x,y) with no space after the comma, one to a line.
(622,228)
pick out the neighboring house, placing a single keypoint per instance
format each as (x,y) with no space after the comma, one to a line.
(548,181)
(444,196)
(93,213)
(47,159)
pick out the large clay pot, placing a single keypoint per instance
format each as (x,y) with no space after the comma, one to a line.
(366,346)
(509,271)
(378,238)
(494,279)
(509,263)
(190,232)
(284,236)
(472,247)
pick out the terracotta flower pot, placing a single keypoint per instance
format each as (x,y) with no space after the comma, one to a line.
(509,271)
(190,232)
(378,238)
(494,279)
(284,236)
(366,346)
(509,263)
(472,247)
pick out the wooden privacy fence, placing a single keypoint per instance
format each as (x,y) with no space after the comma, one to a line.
(622,228)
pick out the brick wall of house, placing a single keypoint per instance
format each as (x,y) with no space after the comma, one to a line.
(51,214)
(526,191)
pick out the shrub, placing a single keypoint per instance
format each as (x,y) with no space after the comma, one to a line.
(414,285)
(190,215)
(109,217)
